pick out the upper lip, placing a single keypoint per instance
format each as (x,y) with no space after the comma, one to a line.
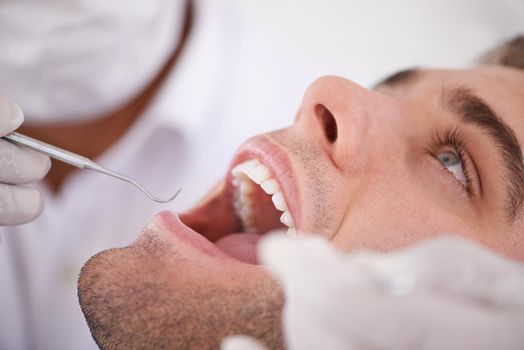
(279,163)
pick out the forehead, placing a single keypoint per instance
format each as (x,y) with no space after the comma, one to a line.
(501,87)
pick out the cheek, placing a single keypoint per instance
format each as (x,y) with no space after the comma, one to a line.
(391,217)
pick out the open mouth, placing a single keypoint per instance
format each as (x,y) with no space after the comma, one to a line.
(251,201)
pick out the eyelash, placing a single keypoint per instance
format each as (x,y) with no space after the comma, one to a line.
(452,138)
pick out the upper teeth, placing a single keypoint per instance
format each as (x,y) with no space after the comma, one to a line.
(258,173)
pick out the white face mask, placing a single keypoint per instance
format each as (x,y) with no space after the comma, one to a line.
(71,60)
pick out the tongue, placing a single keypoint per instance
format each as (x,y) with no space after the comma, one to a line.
(241,246)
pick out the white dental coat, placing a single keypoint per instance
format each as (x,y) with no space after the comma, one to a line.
(226,87)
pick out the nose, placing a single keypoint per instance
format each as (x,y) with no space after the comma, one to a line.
(343,117)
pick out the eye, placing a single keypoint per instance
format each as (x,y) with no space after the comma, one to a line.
(453,163)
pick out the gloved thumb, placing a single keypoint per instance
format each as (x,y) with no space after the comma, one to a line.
(11,116)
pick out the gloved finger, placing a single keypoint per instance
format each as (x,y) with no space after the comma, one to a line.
(11,116)
(19,165)
(285,255)
(368,299)
(241,342)
(19,205)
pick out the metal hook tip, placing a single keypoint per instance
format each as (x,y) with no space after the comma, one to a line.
(158,200)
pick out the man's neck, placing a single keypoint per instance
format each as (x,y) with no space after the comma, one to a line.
(93,138)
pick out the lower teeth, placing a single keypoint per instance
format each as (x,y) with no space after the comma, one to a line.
(243,204)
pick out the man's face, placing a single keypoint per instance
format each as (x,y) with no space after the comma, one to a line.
(426,153)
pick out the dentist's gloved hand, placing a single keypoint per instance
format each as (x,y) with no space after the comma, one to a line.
(447,293)
(18,166)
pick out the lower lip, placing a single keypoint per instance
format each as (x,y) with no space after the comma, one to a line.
(170,223)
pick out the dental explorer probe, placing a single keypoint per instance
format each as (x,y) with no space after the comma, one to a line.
(77,161)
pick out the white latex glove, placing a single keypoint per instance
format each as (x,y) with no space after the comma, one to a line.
(447,293)
(18,166)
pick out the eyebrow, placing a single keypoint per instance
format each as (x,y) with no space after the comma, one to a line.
(398,78)
(472,109)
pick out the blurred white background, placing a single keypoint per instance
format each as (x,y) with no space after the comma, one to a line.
(366,40)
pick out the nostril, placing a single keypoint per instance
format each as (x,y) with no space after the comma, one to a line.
(328,122)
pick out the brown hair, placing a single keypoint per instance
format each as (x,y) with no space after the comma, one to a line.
(510,54)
